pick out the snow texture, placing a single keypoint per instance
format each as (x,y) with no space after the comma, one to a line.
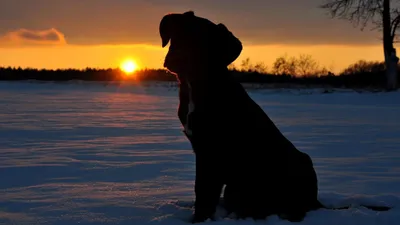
(91,153)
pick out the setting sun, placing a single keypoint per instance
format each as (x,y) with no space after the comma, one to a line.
(129,66)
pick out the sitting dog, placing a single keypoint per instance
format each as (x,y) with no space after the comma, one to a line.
(235,142)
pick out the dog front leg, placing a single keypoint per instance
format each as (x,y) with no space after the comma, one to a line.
(208,186)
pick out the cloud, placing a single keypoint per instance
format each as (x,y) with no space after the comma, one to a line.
(136,21)
(23,37)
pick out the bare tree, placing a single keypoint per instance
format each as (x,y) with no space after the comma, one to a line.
(306,66)
(380,13)
(246,64)
(259,67)
(284,65)
(303,66)
(363,66)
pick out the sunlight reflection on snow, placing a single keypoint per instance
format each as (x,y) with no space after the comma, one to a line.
(92,154)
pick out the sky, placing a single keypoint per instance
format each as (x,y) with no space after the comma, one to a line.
(102,33)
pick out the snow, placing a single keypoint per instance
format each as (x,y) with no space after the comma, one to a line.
(91,153)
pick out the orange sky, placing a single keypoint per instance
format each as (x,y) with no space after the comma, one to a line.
(102,33)
(334,57)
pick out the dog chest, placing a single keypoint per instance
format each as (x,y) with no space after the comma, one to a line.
(191,108)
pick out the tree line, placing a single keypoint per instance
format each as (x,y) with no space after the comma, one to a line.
(302,70)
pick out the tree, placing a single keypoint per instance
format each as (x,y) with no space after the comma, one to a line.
(303,66)
(284,65)
(306,66)
(379,13)
(259,67)
(363,66)
(246,65)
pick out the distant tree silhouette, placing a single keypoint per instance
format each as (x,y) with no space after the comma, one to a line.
(286,71)
(380,13)
(307,66)
(260,67)
(303,66)
(284,65)
(363,66)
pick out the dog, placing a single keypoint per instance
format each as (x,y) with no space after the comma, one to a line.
(235,142)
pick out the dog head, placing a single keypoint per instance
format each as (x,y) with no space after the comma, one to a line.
(180,31)
(196,44)
(175,26)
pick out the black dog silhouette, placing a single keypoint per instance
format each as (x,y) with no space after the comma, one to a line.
(235,142)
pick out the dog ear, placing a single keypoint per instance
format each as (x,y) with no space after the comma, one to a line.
(165,29)
(169,23)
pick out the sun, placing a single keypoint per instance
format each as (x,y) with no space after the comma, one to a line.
(129,66)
